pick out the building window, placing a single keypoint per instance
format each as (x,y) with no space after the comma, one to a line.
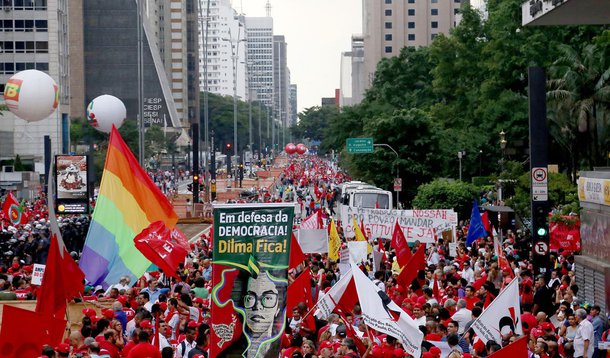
(434,1)
(456,11)
(388,12)
(411,37)
(434,24)
(433,36)
(388,37)
(434,12)
(388,1)
(411,1)
(388,49)
(411,25)
(388,25)
(411,12)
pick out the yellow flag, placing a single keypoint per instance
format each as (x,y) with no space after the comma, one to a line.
(360,236)
(334,242)
(358,232)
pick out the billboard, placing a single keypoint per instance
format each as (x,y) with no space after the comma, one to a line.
(71,184)
(249,279)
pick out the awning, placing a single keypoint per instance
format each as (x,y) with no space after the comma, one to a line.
(565,12)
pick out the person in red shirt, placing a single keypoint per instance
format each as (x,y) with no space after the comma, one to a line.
(109,343)
(144,349)
(470,298)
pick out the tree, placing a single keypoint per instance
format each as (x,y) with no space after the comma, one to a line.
(313,122)
(411,134)
(446,194)
(579,96)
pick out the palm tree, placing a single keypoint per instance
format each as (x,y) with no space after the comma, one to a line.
(579,99)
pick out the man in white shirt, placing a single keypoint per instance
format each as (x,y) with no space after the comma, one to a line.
(467,272)
(583,341)
(123,285)
(188,343)
(462,316)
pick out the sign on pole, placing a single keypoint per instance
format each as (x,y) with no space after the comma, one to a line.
(359,145)
(540,189)
(397,184)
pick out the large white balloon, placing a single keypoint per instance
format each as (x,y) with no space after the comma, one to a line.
(104,111)
(31,95)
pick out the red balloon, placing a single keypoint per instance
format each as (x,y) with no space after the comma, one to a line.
(301,148)
(290,148)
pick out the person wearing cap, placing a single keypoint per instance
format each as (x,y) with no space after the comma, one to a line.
(326,350)
(63,350)
(419,315)
(122,286)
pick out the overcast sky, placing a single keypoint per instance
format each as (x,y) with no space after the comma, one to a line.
(317,31)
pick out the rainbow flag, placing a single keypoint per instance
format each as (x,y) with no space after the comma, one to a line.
(127,203)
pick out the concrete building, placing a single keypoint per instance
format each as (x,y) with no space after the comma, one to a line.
(226,33)
(281,79)
(110,47)
(390,25)
(259,34)
(294,116)
(352,82)
(34,35)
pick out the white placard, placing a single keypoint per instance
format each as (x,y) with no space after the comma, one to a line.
(37,274)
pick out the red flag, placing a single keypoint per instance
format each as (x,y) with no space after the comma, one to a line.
(436,291)
(25,332)
(13,210)
(416,263)
(516,349)
(299,291)
(162,247)
(63,279)
(485,220)
(400,245)
(296,254)
(351,333)
(488,298)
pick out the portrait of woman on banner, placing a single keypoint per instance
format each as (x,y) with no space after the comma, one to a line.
(261,302)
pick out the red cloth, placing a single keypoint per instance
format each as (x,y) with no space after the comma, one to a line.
(299,291)
(144,350)
(400,245)
(516,349)
(62,279)
(24,332)
(110,348)
(13,211)
(296,254)
(416,263)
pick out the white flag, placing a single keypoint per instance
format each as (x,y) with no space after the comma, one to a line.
(312,222)
(383,315)
(313,241)
(326,303)
(357,251)
(501,317)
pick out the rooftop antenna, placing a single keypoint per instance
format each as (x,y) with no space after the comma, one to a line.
(268,8)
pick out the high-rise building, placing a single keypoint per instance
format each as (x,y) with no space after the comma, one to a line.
(259,45)
(390,25)
(34,35)
(225,33)
(281,79)
(352,73)
(111,63)
(293,105)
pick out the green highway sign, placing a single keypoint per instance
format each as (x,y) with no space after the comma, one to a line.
(359,145)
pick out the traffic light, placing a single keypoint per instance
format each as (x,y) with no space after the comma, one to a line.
(196,178)
(229,147)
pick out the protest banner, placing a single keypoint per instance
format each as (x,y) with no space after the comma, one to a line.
(422,225)
(37,274)
(249,280)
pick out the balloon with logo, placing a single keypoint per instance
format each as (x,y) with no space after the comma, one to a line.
(31,95)
(104,111)
(290,148)
(301,148)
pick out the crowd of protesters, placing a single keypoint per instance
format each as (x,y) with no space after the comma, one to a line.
(162,316)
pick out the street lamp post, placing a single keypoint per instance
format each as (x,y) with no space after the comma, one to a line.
(461,154)
(234,43)
(503,148)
